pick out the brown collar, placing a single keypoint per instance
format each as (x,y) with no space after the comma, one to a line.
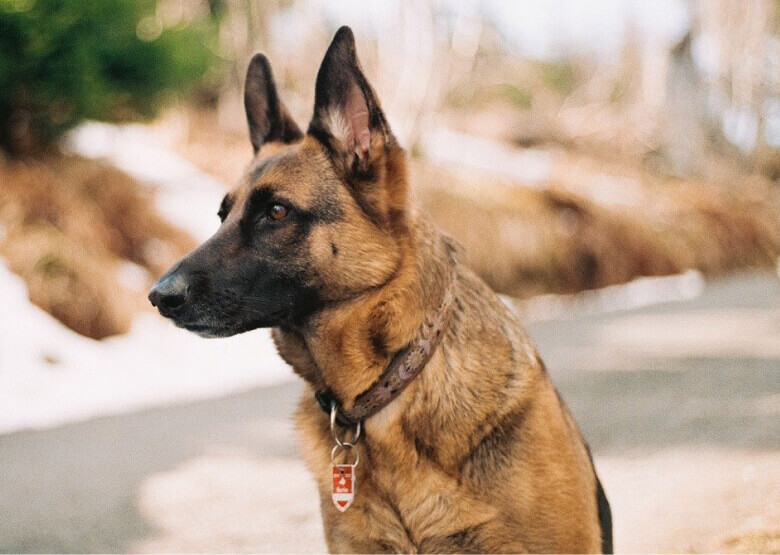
(403,368)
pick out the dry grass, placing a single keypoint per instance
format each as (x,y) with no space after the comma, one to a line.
(70,224)
(752,542)
(526,241)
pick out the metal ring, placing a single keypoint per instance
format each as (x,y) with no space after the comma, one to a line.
(346,446)
(337,439)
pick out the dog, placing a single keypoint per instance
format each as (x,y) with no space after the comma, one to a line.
(463,442)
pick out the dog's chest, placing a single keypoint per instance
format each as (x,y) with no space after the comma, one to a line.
(403,502)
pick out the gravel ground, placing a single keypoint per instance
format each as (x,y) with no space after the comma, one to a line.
(680,402)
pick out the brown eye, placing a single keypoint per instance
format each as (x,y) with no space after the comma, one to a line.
(277,211)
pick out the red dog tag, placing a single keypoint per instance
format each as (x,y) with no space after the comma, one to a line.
(343,486)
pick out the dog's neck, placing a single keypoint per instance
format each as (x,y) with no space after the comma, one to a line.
(345,348)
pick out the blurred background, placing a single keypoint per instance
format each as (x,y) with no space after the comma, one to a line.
(611,167)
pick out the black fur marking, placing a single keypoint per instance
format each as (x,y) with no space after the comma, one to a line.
(368,209)
(424,450)
(495,449)
(255,205)
(364,175)
(378,343)
(309,301)
(334,249)
(397,218)
(604,510)
(463,541)
(605,518)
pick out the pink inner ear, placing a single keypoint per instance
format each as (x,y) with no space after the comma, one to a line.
(356,113)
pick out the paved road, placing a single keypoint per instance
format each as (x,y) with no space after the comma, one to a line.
(680,402)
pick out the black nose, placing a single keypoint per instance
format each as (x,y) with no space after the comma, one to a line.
(169,293)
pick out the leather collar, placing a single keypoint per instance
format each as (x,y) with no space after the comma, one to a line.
(405,365)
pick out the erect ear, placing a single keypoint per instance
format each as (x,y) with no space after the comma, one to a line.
(268,118)
(347,117)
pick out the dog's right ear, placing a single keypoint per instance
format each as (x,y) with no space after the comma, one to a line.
(268,117)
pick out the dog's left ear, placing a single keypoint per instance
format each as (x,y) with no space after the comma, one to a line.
(347,117)
(267,115)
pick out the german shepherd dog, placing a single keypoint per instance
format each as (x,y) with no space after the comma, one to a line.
(476,453)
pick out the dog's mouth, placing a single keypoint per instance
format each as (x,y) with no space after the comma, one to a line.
(214,323)
(206,325)
(212,329)
(204,330)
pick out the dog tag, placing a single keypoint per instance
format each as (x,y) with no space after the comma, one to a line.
(343,486)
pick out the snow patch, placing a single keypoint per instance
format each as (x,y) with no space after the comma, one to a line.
(532,166)
(50,375)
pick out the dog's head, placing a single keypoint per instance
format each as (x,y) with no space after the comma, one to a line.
(317,218)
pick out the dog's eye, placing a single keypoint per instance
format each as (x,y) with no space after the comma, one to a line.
(277,211)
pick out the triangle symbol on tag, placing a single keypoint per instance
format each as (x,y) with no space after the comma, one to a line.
(342,503)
